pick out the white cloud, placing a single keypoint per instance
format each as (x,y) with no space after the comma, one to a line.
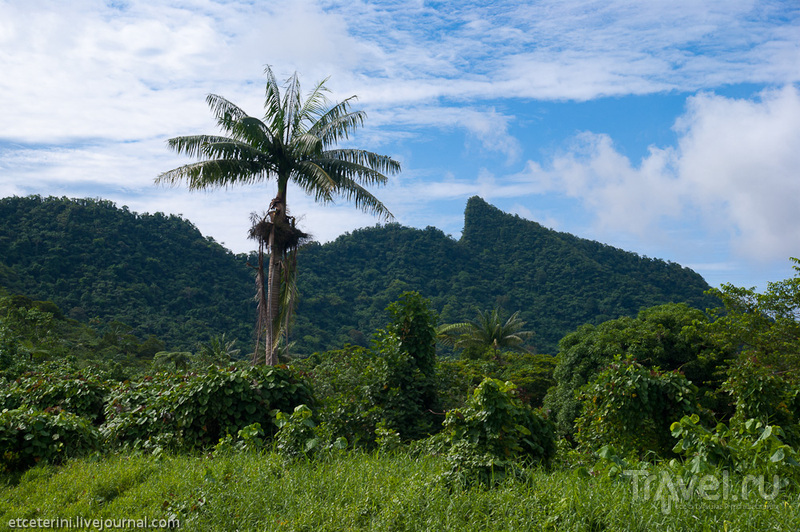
(82,70)
(736,169)
(742,158)
(487,125)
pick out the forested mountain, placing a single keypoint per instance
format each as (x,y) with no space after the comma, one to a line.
(155,273)
(159,275)
(556,280)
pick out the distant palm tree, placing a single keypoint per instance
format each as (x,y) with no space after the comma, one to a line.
(294,142)
(180,359)
(487,331)
(218,350)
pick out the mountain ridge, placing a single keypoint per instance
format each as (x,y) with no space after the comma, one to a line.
(160,275)
(557,281)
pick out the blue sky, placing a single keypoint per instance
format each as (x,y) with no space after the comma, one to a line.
(668,128)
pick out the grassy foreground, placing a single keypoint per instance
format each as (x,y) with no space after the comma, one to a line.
(354,491)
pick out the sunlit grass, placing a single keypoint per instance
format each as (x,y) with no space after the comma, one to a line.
(356,491)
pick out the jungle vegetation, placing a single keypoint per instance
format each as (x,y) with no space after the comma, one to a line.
(675,410)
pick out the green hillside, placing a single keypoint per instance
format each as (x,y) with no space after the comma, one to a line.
(557,281)
(156,273)
(159,275)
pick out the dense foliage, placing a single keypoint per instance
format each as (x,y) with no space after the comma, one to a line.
(29,436)
(493,434)
(58,387)
(153,272)
(193,411)
(631,407)
(393,383)
(668,336)
(37,332)
(557,281)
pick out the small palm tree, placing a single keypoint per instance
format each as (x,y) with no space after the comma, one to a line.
(487,331)
(218,350)
(180,359)
(293,143)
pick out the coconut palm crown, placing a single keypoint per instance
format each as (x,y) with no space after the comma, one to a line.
(295,142)
(487,331)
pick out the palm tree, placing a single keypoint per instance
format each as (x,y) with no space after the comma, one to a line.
(486,331)
(218,350)
(294,143)
(180,359)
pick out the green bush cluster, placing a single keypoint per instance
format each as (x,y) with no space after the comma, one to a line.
(669,336)
(249,438)
(29,436)
(759,392)
(631,407)
(494,433)
(82,393)
(743,447)
(296,436)
(195,410)
(394,382)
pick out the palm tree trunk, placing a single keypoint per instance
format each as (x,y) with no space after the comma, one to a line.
(261,298)
(276,251)
(273,306)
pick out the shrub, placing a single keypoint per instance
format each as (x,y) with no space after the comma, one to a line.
(194,410)
(347,384)
(494,433)
(746,447)
(631,407)
(669,336)
(407,385)
(29,436)
(296,437)
(81,393)
(394,382)
(759,392)
(249,438)
(531,373)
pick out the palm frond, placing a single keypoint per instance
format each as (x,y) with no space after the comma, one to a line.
(361,175)
(314,180)
(306,145)
(380,163)
(252,131)
(450,334)
(273,114)
(351,191)
(487,331)
(224,111)
(291,107)
(338,123)
(313,108)
(231,149)
(192,145)
(215,173)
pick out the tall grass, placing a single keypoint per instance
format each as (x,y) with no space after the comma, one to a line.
(358,491)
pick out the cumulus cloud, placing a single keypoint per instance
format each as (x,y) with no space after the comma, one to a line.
(741,160)
(736,169)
